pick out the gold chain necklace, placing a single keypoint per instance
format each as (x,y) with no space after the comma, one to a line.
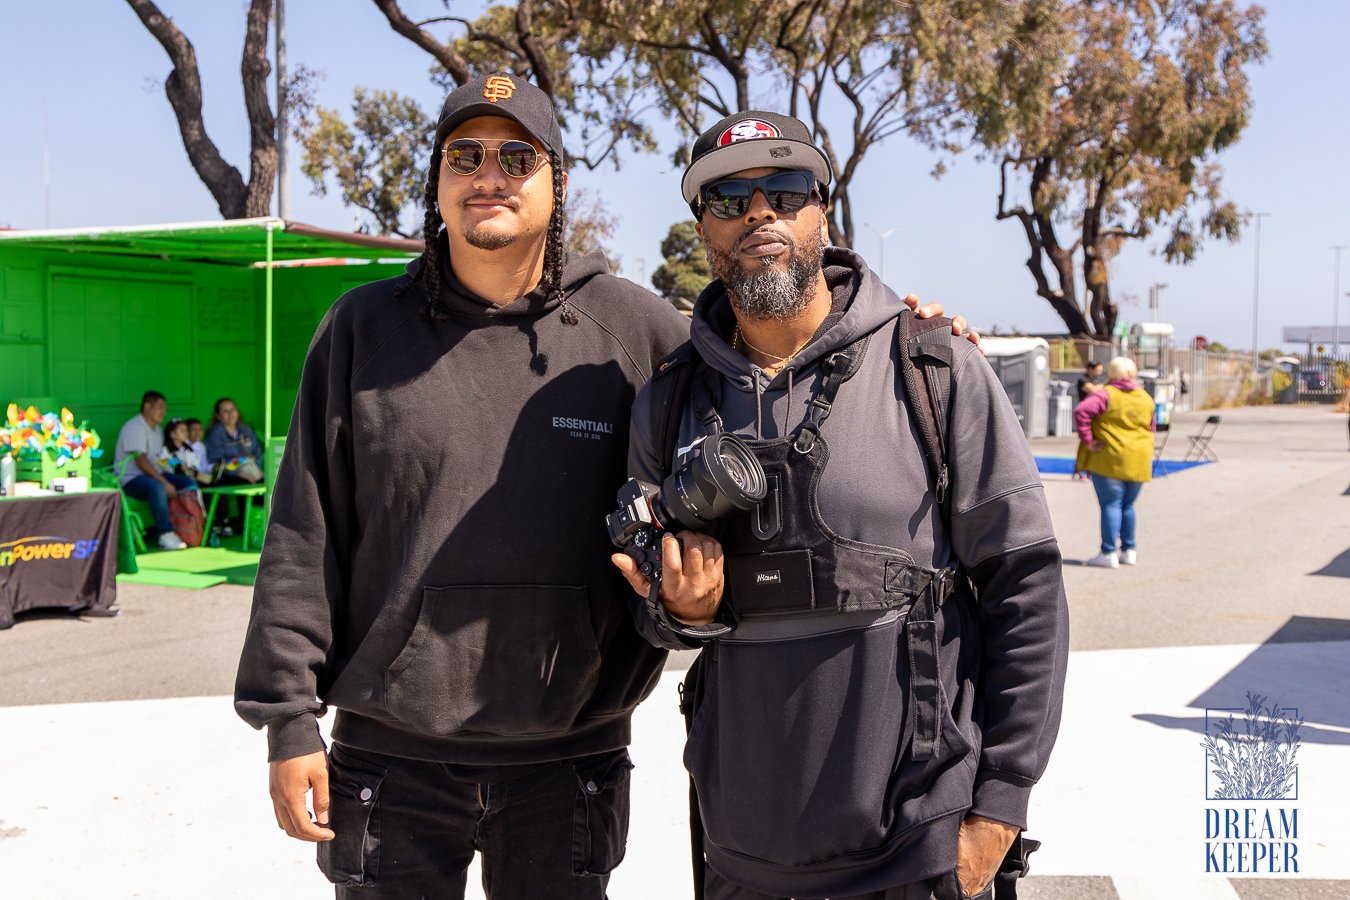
(737,337)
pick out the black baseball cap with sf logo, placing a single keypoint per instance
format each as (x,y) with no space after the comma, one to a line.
(508,96)
(751,140)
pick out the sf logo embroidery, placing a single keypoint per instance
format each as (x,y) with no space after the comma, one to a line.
(499,87)
(748,130)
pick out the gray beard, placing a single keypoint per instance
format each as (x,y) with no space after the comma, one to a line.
(770,293)
(488,240)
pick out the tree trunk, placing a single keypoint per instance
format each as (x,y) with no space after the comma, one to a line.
(1100,307)
(262,126)
(1095,275)
(1039,227)
(183,88)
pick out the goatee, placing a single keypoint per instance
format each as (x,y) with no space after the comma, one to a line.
(488,240)
(770,292)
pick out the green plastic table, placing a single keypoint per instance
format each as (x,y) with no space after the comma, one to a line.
(232,490)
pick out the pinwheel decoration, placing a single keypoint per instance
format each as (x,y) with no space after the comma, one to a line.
(29,434)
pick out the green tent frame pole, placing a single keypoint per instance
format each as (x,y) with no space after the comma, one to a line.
(267,340)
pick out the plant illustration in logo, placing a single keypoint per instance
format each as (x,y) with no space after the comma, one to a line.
(1257,760)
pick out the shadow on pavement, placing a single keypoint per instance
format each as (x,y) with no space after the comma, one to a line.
(1304,666)
(1309,734)
(1338,567)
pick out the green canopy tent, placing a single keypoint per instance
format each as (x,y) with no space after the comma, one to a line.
(92,317)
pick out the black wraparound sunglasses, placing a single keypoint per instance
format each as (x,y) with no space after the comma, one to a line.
(785,192)
(465,156)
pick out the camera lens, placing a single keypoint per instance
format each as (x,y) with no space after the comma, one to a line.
(722,478)
(735,470)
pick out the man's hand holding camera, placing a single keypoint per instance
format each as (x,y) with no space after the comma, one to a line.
(691,576)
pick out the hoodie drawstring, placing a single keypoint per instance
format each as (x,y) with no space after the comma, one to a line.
(787,411)
(756,374)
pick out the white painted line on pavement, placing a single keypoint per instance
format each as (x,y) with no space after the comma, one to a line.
(1152,887)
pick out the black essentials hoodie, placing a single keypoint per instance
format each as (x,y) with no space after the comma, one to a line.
(801,745)
(436,566)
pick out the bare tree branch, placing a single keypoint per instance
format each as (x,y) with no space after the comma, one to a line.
(443,53)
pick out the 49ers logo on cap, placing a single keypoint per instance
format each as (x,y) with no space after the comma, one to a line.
(748,130)
(498,87)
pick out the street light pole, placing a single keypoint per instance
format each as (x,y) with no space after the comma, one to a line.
(283,112)
(1256,289)
(881,239)
(1336,308)
(1154,293)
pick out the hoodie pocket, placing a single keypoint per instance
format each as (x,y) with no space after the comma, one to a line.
(500,659)
(796,750)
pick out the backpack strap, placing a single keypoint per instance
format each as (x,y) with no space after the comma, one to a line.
(926,358)
(925,354)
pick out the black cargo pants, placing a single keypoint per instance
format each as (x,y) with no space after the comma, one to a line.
(408,829)
(943,887)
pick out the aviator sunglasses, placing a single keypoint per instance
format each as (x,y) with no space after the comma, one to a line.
(785,192)
(465,156)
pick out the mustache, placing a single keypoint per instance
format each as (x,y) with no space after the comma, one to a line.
(502,199)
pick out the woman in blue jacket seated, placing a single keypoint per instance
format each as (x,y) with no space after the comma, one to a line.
(232,446)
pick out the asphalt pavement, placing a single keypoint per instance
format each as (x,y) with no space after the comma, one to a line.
(124,773)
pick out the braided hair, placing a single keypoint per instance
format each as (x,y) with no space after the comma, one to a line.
(429,271)
(555,254)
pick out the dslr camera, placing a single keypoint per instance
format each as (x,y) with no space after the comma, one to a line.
(718,478)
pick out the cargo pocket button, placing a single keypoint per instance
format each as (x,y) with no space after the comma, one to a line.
(366,794)
(592,787)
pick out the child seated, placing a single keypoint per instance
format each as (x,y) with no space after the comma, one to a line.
(179,456)
(195,441)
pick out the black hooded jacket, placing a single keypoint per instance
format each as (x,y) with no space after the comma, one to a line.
(801,747)
(436,566)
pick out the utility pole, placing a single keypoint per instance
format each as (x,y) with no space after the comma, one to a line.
(283,177)
(1154,293)
(1336,308)
(46,172)
(1256,290)
(881,239)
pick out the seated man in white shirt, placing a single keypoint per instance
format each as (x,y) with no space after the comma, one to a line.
(140,474)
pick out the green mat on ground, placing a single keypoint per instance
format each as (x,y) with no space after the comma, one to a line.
(196,567)
(170,578)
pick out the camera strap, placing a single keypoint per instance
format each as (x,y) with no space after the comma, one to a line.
(722,624)
(839,367)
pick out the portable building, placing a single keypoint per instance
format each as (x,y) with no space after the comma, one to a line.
(90,318)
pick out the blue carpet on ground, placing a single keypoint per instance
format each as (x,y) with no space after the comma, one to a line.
(1063,465)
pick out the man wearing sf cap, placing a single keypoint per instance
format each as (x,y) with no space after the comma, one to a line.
(884,646)
(435,567)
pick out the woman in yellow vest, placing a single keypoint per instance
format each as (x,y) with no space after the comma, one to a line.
(1115,425)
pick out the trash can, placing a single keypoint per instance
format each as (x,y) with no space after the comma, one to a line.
(1061,416)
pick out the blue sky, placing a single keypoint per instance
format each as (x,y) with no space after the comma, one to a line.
(116,158)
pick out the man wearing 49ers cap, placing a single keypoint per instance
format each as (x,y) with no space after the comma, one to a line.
(884,639)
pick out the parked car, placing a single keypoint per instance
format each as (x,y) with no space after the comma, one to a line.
(1312,380)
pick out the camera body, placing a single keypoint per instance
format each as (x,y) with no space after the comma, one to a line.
(634,529)
(719,477)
